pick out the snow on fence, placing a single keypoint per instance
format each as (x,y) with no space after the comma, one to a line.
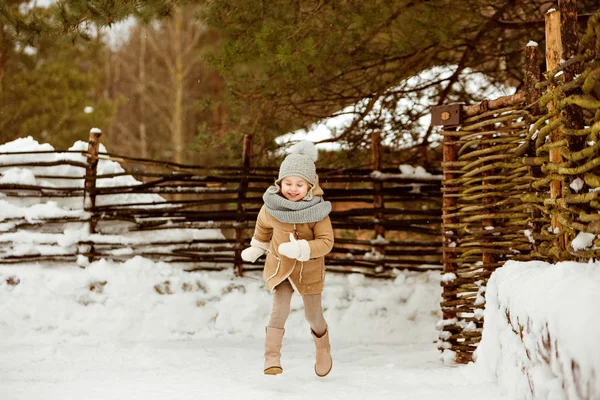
(85,204)
(521,177)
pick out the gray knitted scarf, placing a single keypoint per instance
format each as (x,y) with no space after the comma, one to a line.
(295,212)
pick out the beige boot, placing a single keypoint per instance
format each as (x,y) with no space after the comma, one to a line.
(273,341)
(324,362)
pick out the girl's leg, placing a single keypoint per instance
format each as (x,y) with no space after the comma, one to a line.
(274,331)
(314,314)
(320,334)
(282,297)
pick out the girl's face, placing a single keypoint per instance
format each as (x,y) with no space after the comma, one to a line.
(294,188)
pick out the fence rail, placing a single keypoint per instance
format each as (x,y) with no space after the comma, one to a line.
(117,207)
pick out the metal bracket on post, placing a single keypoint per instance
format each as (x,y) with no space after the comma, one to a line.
(447,115)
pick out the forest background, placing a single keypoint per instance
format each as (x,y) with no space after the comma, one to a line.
(183,81)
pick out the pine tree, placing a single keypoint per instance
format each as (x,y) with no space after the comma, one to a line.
(291,63)
(50,90)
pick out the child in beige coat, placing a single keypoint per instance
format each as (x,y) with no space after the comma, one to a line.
(294,229)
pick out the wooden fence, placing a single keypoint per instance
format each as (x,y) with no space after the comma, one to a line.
(204,216)
(521,177)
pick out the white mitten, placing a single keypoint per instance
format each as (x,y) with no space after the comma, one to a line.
(255,250)
(298,249)
(251,254)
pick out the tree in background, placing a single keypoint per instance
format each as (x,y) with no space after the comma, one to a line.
(286,64)
(168,95)
(50,88)
(312,59)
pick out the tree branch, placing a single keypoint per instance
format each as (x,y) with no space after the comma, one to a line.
(354,123)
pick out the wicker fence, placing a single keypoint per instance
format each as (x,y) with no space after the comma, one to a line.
(382,219)
(484,216)
(521,178)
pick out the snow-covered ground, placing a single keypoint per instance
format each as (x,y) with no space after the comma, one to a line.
(230,369)
(145,330)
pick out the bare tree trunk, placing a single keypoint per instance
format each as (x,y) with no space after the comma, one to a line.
(218,114)
(177,124)
(3,55)
(108,93)
(142,94)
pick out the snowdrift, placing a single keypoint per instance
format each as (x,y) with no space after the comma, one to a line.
(541,330)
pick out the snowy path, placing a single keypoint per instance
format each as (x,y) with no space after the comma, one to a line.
(230,369)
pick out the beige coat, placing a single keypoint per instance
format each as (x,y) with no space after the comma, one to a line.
(307,277)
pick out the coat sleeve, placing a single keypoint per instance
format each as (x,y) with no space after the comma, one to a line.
(323,241)
(263,231)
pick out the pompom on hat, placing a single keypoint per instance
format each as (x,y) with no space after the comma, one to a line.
(300,162)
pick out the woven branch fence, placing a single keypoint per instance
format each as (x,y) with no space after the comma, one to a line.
(521,179)
(382,219)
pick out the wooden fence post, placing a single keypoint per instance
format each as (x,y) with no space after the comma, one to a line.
(532,95)
(569,35)
(89,192)
(570,43)
(553,55)
(572,114)
(378,202)
(449,238)
(450,156)
(241,208)
(532,77)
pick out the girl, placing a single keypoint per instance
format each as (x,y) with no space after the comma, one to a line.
(294,229)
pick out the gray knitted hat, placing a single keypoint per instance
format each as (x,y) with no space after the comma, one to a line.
(301,162)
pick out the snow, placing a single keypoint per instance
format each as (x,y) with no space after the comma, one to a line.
(583,240)
(105,167)
(231,369)
(380,240)
(16,210)
(556,308)
(111,329)
(577,184)
(373,255)
(138,297)
(18,176)
(529,235)
(418,171)
(407,172)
